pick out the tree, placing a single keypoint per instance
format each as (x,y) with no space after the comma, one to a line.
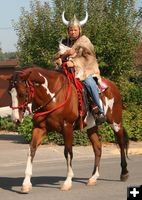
(34,31)
(112,27)
(114,34)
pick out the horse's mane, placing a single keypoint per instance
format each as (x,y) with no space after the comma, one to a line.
(35,66)
(41,69)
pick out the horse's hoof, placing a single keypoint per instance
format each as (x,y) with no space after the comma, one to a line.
(26,188)
(92,182)
(124,177)
(66,187)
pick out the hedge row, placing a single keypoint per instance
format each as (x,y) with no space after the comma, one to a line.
(131,118)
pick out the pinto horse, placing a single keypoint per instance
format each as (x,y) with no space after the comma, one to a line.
(55,105)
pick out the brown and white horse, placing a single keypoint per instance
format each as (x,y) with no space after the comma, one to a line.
(55,104)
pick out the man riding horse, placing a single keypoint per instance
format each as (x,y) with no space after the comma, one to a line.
(78,53)
(55,103)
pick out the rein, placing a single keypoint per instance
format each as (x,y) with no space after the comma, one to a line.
(42,106)
(62,104)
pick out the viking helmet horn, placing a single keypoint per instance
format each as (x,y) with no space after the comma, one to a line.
(74,20)
(84,20)
(64,20)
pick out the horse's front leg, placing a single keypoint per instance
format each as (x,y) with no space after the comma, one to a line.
(97,147)
(36,141)
(68,139)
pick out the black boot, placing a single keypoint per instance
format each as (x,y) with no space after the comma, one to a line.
(100,118)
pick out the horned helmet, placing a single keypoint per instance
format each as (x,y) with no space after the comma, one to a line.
(74,21)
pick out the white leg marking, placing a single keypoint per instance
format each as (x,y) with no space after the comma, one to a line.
(93,179)
(15,113)
(109,104)
(28,171)
(45,85)
(96,175)
(68,182)
(116,127)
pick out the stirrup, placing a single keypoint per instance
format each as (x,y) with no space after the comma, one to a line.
(100,119)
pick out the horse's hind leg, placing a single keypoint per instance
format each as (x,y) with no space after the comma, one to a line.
(36,141)
(123,142)
(97,147)
(68,140)
(122,138)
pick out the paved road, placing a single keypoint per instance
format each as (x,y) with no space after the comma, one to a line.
(50,170)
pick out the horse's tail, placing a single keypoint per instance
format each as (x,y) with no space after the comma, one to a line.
(126,141)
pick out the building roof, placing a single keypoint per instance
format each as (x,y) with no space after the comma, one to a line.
(9,63)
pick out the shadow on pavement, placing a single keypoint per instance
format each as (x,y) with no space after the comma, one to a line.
(13,138)
(8,183)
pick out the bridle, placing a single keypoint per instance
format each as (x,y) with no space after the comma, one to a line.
(29,95)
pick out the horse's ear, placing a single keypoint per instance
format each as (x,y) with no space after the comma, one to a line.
(31,75)
(5,77)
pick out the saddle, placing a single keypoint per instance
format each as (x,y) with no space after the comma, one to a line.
(85,101)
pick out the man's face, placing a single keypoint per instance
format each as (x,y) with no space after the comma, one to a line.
(74,32)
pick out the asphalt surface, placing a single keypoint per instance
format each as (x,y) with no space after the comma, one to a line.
(49,171)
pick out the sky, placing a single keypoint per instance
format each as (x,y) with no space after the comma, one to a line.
(11,10)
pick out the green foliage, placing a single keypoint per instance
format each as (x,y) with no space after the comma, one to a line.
(55,137)
(113,27)
(107,133)
(133,121)
(7,124)
(130,87)
(25,128)
(132,94)
(35,35)
(81,138)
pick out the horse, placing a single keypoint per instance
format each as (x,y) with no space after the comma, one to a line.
(55,103)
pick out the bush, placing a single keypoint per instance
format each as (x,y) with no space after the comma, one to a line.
(133,122)
(7,124)
(131,119)
(130,87)
(107,133)
(25,129)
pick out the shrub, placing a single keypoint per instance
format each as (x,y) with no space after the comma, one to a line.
(7,124)
(133,122)
(131,119)
(25,129)
(107,133)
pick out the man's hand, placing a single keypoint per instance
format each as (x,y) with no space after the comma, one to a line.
(57,62)
(70,51)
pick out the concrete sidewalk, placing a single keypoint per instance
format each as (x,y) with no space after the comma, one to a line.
(12,146)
